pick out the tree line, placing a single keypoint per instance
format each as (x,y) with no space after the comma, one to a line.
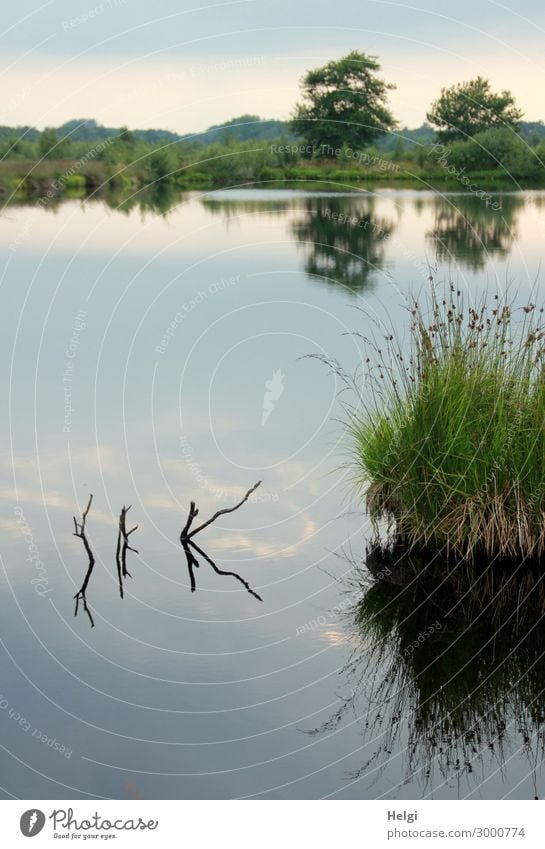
(343,109)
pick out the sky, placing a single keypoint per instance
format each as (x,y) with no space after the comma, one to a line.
(183,65)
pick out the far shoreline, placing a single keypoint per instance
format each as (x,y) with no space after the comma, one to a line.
(53,180)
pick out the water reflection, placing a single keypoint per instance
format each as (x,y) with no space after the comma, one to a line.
(468,231)
(343,237)
(230,208)
(447,676)
(157,199)
(165,668)
(345,240)
(190,548)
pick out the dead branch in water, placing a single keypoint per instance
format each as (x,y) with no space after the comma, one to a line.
(122,547)
(79,531)
(219,571)
(194,512)
(192,563)
(188,545)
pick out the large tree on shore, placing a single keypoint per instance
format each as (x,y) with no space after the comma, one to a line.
(468,108)
(344,104)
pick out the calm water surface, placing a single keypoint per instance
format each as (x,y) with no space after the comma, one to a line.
(152,359)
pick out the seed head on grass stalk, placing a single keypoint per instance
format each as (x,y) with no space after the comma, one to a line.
(452,446)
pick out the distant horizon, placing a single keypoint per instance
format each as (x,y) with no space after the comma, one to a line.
(140,123)
(228,122)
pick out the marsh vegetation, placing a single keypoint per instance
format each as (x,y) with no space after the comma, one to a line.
(452,449)
(445,679)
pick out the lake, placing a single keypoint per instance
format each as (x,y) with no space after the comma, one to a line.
(156,352)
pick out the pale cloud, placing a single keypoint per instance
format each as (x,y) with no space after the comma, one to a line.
(161,502)
(239,543)
(51,499)
(10,526)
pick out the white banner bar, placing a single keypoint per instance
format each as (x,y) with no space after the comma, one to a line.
(274,824)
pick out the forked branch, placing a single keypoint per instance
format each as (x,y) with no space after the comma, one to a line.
(193,512)
(190,547)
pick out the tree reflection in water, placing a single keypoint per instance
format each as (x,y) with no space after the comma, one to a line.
(468,231)
(345,240)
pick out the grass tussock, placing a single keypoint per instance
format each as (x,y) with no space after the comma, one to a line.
(452,447)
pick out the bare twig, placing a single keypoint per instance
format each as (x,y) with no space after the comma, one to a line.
(79,531)
(188,545)
(122,547)
(193,512)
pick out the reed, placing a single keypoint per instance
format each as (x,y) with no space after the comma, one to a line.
(451,447)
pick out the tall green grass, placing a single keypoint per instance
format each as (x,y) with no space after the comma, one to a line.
(451,449)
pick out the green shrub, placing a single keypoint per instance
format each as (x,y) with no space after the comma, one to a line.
(268,173)
(161,165)
(193,178)
(495,149)
(75,181)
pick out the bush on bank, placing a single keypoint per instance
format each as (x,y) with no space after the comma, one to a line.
(451,450)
